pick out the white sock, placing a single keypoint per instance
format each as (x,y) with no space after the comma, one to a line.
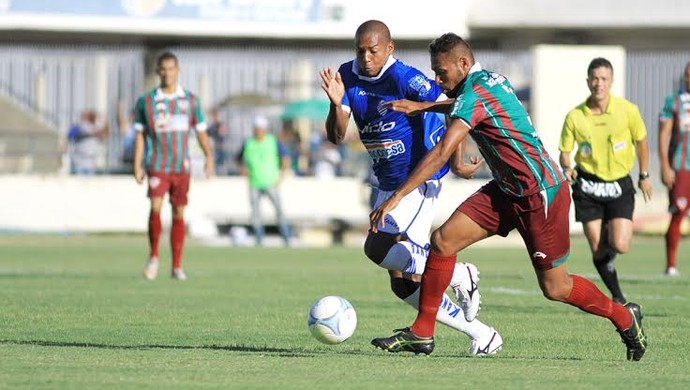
(451,315)
(410,258)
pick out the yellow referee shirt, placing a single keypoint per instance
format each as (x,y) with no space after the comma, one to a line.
(605,143)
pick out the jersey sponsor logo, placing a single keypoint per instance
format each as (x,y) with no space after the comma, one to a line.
(380,127)
(420,84)
(385,149)
(601,189)
(172,123)
(365,93)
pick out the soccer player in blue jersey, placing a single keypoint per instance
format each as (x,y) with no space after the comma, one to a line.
(396,143)
(528,193)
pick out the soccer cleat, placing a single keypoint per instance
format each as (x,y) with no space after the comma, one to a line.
(178,274)
(672,271)
(405,340)
(634,337)
(489,345)
(467,292)
(151,269)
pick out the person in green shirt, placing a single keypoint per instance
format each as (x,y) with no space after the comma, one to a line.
(263,162)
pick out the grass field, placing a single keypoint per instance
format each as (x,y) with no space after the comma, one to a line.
(75,313)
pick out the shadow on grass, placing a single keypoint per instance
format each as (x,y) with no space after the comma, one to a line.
(284,352)
(279,352)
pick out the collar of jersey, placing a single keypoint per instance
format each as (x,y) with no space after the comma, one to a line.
(609,108)
(355,69)
(179,92)
(476,67)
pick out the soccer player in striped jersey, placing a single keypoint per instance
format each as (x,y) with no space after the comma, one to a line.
(674,156)
(528,193)
(396,143)
(164,118)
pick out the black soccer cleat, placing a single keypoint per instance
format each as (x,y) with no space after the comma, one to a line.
(405,340)
(634,337)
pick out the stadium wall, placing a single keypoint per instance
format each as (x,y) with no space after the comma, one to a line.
(116,204)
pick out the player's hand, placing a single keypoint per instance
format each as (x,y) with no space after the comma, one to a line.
(570,175)
(209,167)
(377,217)
(333,85)
(645,186)
(668,177)
(139,174)
(407,107)
(467,171)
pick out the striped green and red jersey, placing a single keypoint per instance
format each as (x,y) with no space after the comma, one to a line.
(167,121)
(677,109)
(504,134)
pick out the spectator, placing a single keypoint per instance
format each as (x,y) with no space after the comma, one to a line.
(218,131)
(86,143)
(263,161)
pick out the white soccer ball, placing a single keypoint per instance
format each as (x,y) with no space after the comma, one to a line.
(332,320)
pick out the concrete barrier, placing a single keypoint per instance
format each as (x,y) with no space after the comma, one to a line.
(118,204)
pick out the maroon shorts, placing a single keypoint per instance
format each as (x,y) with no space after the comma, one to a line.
(679,195)
(544,229)
(177,184)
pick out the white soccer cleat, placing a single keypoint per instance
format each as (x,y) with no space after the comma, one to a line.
(178,274)
(467,292)
(488,345)
(151,269)
(672,271)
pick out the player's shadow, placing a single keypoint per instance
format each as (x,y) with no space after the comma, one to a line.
(283,352)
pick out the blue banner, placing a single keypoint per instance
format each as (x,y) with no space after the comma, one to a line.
(230,10)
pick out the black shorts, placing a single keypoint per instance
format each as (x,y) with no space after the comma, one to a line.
(595,198)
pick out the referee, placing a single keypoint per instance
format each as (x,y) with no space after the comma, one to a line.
(609,132)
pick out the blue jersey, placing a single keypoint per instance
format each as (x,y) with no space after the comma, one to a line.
(395,142)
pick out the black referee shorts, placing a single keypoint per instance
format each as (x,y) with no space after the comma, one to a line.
(595,198)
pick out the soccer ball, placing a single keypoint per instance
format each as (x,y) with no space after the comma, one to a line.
(332,320)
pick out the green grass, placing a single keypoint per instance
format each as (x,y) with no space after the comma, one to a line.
(75,313)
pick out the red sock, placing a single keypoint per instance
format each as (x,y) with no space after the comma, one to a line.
(177,233)
(587,297)
(154,232)
(435,280)
(673,238)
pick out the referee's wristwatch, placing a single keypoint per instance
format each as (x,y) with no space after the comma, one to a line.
(644,175)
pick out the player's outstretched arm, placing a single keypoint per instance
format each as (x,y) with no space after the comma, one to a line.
(337,120)
(430,164)
(411,107)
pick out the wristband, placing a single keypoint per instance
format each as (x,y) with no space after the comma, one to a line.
(644,175)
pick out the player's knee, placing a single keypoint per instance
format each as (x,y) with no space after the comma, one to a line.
(377,245)
(554,292)
(621,246)
(441,245)
(402,288)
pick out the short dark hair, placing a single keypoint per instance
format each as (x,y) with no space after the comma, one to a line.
(599,62)
(167,55)
(447,42)
(374,26)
